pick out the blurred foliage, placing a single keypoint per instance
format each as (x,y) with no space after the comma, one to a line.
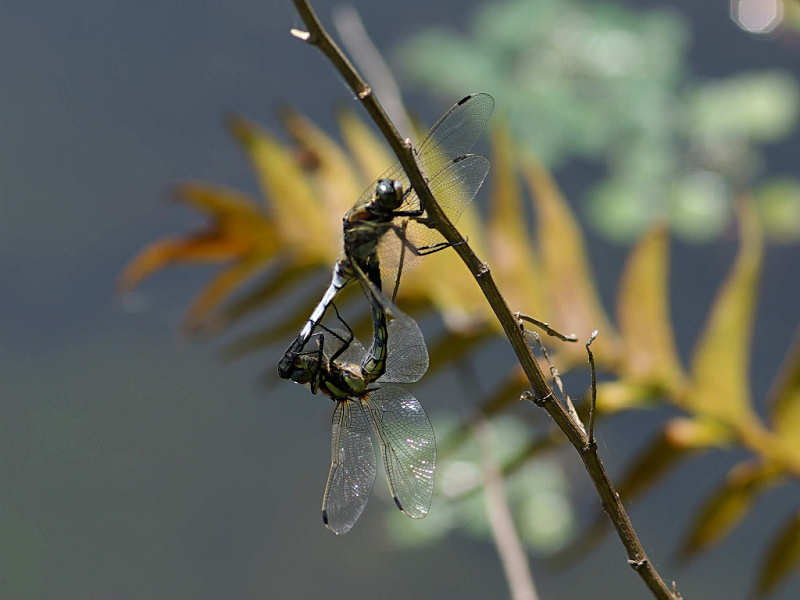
(602,82)
(291,239)
(537,494)
(273,248)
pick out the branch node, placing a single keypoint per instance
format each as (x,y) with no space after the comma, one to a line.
(590,447)
(637,565)
(483,271)
(301,35)
(365,93)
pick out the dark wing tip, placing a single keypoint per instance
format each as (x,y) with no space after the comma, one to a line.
(464,99)
(325,516)
(397,502)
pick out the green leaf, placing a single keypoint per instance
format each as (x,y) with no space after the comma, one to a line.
(778,204)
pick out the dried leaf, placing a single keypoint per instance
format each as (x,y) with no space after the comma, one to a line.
(786,400)
(338,184)
(219,288)
(276,284)
(200,247)
(720,381)
(370,152)
(566,272)
(643,315)
(299,216)
(513,259)
(783,556)
(727,506)
(454,346)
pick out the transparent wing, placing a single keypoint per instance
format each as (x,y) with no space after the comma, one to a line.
(352,472)
(408,446)
(453,135)
(406,352)
(354,352)
(456,132)
(454,187)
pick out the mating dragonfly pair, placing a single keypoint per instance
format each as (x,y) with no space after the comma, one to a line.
(384,232)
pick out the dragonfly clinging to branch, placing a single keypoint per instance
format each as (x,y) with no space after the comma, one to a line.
(370,410)
(386,227)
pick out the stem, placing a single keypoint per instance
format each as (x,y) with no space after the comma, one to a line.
(542,394)
(512,554)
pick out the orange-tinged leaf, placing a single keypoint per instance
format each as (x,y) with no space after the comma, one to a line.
(783,556)
(728,505)
(643,314)
(219,288)
(217,201)
(567,276)
(200,247)
(300,218)
(513,259)
(370,152)
(276,284)
(338,184)
(786,400)
(720,381)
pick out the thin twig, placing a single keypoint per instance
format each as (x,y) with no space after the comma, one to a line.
(544,326)
(360,46)
(541,392)
(509,547)
(556,377)
(506,540)
(593,404)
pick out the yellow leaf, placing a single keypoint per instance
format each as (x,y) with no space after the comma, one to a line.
(337,182)
(786,400)
(720,381)
(273,287)
(623,394)
(728,505)
(685,432)
(567,276)
(643,314)
(370,152)
(512,257)
(298,215)
(219,288)
(217,201)
(783,556)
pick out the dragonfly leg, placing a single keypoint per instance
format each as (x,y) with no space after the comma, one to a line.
(345,341)
(373,291)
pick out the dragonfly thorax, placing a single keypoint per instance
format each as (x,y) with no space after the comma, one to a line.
(388,196)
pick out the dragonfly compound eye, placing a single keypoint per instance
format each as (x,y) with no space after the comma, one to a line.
(388,194)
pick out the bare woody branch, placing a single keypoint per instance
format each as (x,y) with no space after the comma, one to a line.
(541,394)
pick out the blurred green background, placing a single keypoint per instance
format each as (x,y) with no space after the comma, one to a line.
(137,465)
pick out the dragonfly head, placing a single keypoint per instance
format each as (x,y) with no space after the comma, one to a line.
(388,195)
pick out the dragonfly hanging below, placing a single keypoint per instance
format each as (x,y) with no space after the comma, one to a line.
(385,228)
(370,409)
